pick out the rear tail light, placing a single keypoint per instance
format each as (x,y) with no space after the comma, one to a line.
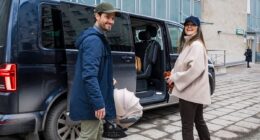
(7,77)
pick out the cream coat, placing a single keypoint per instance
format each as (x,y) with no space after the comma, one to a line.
(190,74)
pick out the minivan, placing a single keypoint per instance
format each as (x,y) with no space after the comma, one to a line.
(37,58)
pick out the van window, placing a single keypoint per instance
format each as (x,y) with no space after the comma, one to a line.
(76,18)
(51,26)
(120,36)
(158,37)
(175,34)
(4,14)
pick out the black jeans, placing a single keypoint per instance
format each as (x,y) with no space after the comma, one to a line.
(193,113)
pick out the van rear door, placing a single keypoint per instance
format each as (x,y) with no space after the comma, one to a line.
(8,98)
(4,16)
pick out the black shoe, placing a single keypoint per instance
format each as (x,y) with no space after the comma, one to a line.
(112,130)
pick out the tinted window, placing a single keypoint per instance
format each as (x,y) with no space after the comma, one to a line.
(77,18)
(51,26)
(120,35)
(4,14)
(175,33)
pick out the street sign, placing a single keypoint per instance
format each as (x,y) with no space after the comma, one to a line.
(240,31)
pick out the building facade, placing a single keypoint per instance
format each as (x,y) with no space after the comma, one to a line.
(235,27)
(176,10)
(225,36)
(229,26)
(253,28)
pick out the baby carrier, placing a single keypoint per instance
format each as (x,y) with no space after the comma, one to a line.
(128,107)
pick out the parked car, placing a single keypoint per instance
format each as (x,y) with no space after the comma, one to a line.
(37,58)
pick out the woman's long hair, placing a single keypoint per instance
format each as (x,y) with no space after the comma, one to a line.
(198,36)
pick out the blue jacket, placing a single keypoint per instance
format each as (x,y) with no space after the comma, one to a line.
(92,87)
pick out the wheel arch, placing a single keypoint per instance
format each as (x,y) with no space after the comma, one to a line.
(54,101)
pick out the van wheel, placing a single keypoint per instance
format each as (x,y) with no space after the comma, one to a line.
(56,127)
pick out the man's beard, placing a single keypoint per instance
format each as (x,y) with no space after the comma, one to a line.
(109,28)
(106,27)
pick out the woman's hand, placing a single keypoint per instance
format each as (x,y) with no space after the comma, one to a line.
(167,75)
(169,81)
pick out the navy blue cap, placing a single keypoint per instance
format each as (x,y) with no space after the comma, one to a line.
(192,19)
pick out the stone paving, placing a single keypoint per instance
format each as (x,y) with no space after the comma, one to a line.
(233,114)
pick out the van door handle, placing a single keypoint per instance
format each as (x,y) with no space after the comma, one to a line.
(127,58)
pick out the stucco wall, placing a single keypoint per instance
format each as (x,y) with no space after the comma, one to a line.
(226,16)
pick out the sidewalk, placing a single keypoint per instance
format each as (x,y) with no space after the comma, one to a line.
(234,112)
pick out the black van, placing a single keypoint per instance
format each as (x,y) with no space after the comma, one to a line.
(37,57)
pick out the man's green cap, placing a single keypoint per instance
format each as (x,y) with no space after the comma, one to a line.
(105,8)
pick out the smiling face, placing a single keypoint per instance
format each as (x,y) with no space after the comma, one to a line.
(190,29)
(105,20)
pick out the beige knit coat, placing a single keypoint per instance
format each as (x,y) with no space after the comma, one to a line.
(190,74)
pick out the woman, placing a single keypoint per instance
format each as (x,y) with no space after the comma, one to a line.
(190,78)
(248,55)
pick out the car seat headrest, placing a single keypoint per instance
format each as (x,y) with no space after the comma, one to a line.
(143,35)
(152,30)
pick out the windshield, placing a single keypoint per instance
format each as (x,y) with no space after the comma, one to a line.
(4,14)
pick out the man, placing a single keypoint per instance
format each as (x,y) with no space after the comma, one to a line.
(92,90)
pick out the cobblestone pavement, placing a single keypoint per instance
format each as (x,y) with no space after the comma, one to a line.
(234,112)
(233,115)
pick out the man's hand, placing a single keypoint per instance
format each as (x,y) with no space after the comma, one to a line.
(100,114)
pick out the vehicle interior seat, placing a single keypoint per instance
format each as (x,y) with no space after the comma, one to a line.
(140,47)
(156,78)
(147,51)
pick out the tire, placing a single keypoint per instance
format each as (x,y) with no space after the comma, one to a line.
(56,127)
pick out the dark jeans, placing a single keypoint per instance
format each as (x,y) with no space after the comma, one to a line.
(193,113)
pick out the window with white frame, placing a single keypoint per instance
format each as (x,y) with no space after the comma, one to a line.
(186,11)
(146,7)
(89,2)
(160,8)
(175,10)
(113,2)
(197,8)
(128,5)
